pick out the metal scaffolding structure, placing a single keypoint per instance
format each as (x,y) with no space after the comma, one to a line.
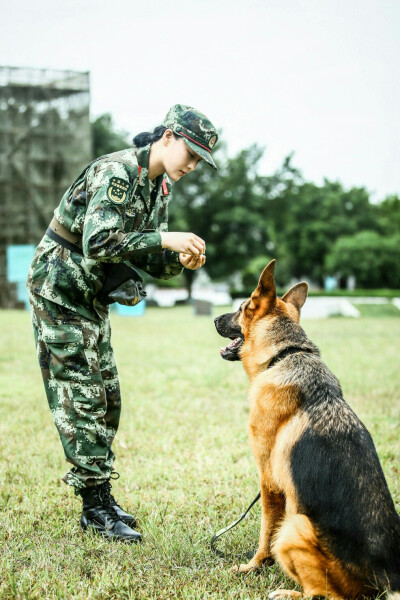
(45,141)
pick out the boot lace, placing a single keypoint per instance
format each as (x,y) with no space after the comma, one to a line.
(99,497)
(106,495)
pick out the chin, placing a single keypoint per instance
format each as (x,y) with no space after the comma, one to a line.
(174,176)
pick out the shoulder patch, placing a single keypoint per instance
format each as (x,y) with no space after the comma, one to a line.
(117,190)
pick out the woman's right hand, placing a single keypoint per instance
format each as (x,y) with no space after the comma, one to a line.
(178,241)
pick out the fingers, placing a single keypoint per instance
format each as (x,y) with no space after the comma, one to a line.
(196,245)
(195,262)
(192,262)
(188,243)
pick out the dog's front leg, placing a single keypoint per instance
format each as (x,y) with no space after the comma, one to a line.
(272,509)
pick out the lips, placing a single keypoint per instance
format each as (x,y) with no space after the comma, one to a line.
(230,352)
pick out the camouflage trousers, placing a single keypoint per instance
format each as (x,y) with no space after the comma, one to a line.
(81,382)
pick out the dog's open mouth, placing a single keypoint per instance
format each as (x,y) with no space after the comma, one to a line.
(230,352)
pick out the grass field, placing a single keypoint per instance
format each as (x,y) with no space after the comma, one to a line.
(182,451)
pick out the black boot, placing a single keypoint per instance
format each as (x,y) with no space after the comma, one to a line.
(99,515)
(124,516)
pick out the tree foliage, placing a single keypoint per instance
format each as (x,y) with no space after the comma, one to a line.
(246,219)
(229,210)
(105,138)
(372,258)
(309,218)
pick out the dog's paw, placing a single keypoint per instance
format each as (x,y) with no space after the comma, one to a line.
(284,594)
(245,568)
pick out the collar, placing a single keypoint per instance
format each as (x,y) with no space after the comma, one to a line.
(143,157)
(284,353)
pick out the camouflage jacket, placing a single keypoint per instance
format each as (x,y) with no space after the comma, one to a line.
(110,204)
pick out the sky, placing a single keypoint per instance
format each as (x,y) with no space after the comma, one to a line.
(319,78)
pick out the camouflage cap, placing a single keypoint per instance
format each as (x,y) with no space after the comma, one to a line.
(197,131)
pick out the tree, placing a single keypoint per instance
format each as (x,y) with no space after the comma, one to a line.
(373,259)
(227,210)
(308,219)
(105,138)
(389,215)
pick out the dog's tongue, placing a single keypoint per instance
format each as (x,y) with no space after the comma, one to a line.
(236,342)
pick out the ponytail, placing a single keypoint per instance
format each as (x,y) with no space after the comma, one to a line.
(142,139)
(145,138)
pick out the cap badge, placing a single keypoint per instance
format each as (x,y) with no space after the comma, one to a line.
(212,141)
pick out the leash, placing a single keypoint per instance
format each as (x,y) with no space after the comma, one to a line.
(231,526)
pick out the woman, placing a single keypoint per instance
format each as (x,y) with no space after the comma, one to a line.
(115,212)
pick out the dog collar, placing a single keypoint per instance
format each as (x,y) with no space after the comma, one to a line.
(284,353)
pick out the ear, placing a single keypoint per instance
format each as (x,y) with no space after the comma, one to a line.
(296,295)
(167,137)
(266,285)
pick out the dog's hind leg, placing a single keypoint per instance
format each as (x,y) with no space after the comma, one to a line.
(298,551)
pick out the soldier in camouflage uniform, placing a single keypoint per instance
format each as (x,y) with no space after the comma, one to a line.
(116,211)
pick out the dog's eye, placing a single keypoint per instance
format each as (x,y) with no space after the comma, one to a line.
(248,309)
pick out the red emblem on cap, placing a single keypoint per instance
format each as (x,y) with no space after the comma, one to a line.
(212,141)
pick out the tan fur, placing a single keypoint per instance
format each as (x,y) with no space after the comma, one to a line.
(298,550)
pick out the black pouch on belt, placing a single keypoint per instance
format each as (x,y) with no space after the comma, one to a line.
(122,284)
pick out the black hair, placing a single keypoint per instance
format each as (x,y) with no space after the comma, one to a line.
(144,138)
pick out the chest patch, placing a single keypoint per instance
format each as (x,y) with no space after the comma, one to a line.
(117,190)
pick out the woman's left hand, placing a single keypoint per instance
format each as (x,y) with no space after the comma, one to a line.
(190,261)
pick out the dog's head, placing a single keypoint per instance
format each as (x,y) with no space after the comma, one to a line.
(263,304)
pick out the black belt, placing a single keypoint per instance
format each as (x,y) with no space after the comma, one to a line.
(60,234)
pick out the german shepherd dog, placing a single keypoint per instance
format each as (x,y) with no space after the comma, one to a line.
(327,514)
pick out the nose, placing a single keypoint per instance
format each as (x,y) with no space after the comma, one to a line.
(193,164)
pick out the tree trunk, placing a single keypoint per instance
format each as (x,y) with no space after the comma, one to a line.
(189,278)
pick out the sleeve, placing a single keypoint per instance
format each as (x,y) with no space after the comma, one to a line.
(164,264)
(109,188)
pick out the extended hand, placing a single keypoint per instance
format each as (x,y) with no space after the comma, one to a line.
(192,262)
(187,243)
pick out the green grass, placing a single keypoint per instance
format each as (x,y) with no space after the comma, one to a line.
(182,451)
(378,310)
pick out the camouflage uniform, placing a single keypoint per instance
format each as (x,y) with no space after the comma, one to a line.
(111,206)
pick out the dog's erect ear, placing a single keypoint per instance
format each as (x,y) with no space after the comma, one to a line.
(296,295)
(266,285)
